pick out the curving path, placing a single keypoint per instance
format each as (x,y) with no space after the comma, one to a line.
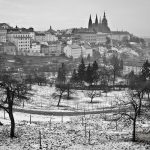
(67,113)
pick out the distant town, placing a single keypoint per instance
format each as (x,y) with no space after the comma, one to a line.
(97,41)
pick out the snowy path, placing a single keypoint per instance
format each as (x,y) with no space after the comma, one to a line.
(68,113)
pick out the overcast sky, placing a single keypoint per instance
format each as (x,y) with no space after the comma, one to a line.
(130,15)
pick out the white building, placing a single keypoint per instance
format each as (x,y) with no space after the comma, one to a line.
(134,66)
(21,40)
(35,49)
(73,50)
(3,33)
(86,50)
(119,35)
(32,35)
(40,37)
(101,37)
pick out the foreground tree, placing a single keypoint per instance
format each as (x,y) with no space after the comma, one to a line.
(61,90)
(12,92)
(129,109)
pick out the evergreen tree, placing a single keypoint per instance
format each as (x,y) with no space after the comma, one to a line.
(95,66)
(146,70)
(81,71)
(89,74)
(61,77)
(74,78)
(95,75)
(115,67)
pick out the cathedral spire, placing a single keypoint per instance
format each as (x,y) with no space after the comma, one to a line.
(90,23)
(96,20)
(104,15)
(104,21)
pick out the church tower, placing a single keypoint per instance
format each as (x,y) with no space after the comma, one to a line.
(104,21)
(90,23)
(96,21)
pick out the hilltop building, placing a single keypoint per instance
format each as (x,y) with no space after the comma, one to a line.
(101,26)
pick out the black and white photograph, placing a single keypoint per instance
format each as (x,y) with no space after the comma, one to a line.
(74,74)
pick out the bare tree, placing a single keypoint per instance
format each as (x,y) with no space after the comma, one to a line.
(92,93)
(130,105)
(61,89)
(12,92)
(69,89)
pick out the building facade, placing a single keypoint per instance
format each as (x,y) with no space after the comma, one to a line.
(73,50)
(22,41)
(86,50)
(40,37)
(3,34)
(134,66)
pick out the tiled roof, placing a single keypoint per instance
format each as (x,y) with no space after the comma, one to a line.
(17,32)
(39,34)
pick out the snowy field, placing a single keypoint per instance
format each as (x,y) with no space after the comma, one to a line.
(42,100)
(84,132)
(91,132)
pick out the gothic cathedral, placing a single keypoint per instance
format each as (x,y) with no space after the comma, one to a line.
(102,26)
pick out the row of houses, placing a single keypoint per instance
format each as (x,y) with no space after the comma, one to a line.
(24,41)
(33,49)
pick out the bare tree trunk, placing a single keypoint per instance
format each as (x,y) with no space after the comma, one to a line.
(68,93)
(59,100)
(133,133)
(12,131)
(91,100)
(114,80)
(140,105)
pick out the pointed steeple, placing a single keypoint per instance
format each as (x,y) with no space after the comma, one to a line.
(104,15)
(96,20)
(104,21)
(90,23)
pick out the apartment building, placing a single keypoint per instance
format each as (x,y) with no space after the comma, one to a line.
(86,50)
(21,39)
(3,33)
(40,37)
(132,65)
(73,50)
